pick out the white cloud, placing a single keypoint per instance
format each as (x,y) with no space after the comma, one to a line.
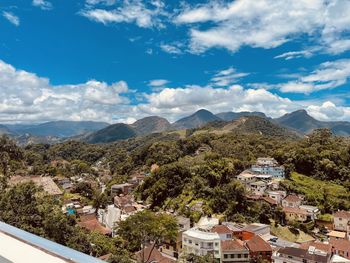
(227,76)
(129,11)
(328,111)
(267,24)
(295,54)
(158,82)
(172,48)
(11,18)
(176,102)
(329,75)
(26,97)
(43,4)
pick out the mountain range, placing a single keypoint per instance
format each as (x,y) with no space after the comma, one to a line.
(293,124)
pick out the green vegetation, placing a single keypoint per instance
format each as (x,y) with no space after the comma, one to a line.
(290,234)
(325,195)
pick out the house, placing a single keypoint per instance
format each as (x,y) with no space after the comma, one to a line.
(47,184)
(340,247)
(299,255)
(292,201)
(151,254)
(200,241)
(109,216)
(123,201)
(278,196)
(224,232)
(124,189)
(259,249)
(341,221)
(91,223)
(246,177)
(296,214)
(268,166)
(313,211)
(234,251)
(325,247)
(258,188)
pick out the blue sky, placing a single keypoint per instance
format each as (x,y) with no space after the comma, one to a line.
(120,60)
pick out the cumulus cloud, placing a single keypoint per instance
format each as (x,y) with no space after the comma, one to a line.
(28,97)
(145,15)
(328,75)
(176,102)
(43,4)
(267,24)
(12,18)
(328,111)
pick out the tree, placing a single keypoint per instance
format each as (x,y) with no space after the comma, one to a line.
(84,189)
(146,227)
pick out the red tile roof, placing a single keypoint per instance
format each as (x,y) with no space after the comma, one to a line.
(292,198)
(342,214)
(152,254)
(318,245)
(341,244)
(257,244)
(295,210)
(269,200)
(232,245)
(90,223)
(221,229)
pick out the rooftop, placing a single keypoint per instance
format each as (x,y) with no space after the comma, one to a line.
(257,244)
(305,254)
(336,234)
(342,214)
(292,198)
(40,250)
(232,245)
(294,210)
(45,182)
(221,229)
(200,233)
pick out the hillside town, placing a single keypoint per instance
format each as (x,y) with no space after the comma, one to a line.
(213,236)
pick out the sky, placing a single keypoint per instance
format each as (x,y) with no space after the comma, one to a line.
(121,60)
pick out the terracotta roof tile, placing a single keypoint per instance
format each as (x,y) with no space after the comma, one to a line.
(221,229)
(232,245)
(257,244)
(292,198)
(343,214)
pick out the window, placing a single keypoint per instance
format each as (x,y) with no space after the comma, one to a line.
(239,255)
(228,236)
(190,241)
(246,255)
(225,256)
(304,260)
(216,244)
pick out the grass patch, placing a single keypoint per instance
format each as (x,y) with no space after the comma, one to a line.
(285,233)
(326,195)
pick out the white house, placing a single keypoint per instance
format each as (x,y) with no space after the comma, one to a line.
(258,188)
(201,242)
